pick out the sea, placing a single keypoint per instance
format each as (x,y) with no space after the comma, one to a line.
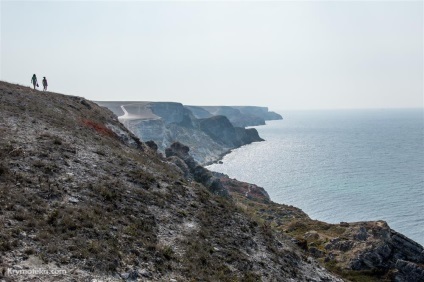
(341,165)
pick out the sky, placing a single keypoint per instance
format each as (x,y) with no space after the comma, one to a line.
(279,54)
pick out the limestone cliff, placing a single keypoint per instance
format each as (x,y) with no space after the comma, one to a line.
(209,137)
(240,116)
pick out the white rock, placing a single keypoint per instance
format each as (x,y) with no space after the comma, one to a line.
(73,200)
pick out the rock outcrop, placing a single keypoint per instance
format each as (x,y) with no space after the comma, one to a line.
(361,250)
(408,271)
(192,170)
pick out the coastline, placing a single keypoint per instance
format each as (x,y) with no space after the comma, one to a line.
(350,249)
(69,159)
(297,193)
(219,158)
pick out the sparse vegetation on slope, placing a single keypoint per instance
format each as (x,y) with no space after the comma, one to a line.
(79,192)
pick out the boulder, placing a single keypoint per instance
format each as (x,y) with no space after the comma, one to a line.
(311,235)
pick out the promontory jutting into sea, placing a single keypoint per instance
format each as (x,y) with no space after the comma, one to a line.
(346,165)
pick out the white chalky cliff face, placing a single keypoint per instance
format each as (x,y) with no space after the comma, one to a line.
(210,132)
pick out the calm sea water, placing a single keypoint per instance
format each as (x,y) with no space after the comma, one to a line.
(350,165)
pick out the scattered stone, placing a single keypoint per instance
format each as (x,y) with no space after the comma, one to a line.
(73,200)
(362,234)
(152,145)
(133,275)
(409,271)
(302,243)
(85,103)
(145,273)
(315,252)
(311,235)
(329,257)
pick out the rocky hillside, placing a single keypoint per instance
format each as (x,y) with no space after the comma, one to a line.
(81,194)
(357,251)
(208,136)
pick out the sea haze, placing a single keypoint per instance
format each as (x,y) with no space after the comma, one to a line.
(350,165)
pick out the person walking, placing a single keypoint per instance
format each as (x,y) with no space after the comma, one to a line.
(34,80)
(44,84)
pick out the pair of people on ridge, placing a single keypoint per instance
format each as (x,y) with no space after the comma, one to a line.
(35,82)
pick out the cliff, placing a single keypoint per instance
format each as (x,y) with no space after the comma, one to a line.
(240,116)
(209,137)
(82,194)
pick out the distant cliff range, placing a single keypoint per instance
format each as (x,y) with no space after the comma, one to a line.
(210,131)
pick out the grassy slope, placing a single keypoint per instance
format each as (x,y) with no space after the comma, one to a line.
(80,192)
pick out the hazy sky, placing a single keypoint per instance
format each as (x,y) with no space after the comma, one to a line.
(281,54)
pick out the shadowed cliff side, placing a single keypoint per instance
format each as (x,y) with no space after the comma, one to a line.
(223,132)
(165,122)
(240,116)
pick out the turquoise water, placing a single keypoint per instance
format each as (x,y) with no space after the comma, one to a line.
(350,165)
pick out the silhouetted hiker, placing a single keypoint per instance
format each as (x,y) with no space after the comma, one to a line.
(34,81)
(44,84)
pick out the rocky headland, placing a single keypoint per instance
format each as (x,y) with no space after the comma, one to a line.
(210,132)
(81,193)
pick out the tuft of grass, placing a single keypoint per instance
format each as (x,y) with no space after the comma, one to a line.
(141,177)
(46,167)
(107,192)
(57,141)
(4,171)
(166,251)
(358,276)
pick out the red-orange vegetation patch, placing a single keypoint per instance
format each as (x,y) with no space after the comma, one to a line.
(98,127)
